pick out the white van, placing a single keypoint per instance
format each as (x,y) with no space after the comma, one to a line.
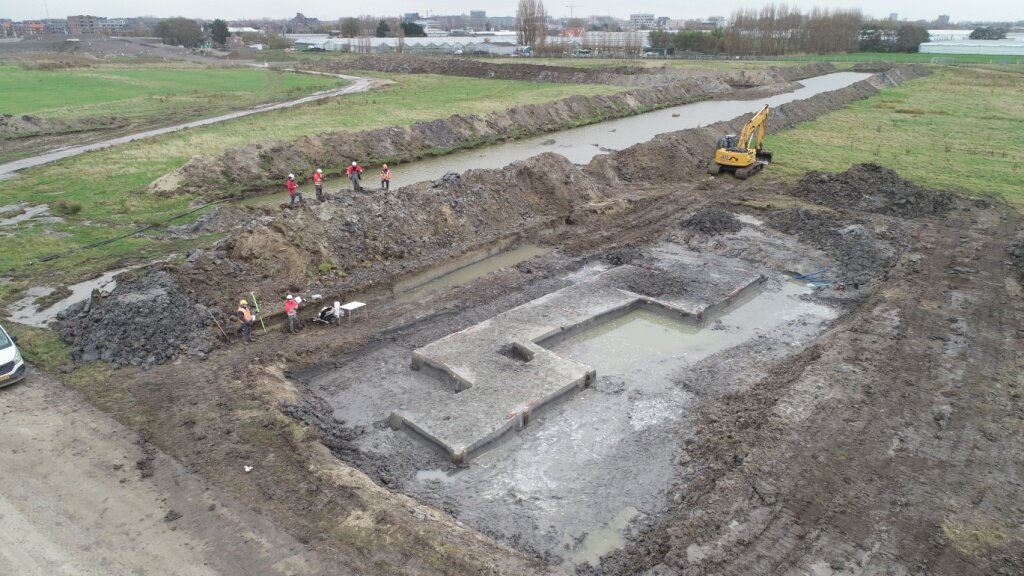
(12,366)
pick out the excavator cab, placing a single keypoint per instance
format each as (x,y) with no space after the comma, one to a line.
(742,155)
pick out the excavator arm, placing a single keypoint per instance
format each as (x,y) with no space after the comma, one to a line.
(752,136)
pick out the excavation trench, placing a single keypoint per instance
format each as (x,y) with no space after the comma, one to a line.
(575,477)
(579,145)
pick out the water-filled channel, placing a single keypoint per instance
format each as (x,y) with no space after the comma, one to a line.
(580,145)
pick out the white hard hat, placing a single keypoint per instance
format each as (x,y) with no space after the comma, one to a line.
(353,162)
(288,297)
(319,171)
(291,175)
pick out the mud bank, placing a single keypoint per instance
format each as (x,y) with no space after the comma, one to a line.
(635,76)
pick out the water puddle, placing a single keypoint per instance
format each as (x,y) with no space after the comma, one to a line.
(24,311)
(23,212)
(646,339)
(604,540)
(429,283)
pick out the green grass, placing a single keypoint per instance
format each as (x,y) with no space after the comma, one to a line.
(904,58)
(110,184)
(960,129)
(42,348)
(144,93)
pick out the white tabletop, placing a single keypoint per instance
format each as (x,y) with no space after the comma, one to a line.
(352,305)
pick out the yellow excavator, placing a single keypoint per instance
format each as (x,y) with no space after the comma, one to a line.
(742,155)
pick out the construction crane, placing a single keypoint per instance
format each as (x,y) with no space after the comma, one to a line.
(742,155)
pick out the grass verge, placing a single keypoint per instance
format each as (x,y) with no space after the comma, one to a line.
(141,94)
(960,129)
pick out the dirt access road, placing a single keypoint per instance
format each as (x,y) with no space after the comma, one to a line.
(80,494)
(358,84)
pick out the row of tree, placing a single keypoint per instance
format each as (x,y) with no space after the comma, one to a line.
(782,29)
(779,30)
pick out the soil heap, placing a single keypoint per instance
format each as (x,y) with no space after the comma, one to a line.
(144,321)
(713,221)
(873,188)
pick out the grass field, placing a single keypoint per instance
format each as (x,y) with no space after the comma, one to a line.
(138,93)
(960,129)
(109,184)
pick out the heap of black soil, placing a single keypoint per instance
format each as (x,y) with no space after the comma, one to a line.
(144,321)
(873,188)
(713,221)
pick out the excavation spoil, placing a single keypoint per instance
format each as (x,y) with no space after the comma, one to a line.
(144,321)
(861,251)
(713,221)
(872,188)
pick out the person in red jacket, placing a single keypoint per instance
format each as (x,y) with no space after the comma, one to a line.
(318,182)
(355,173)
(291,308)
(293,190)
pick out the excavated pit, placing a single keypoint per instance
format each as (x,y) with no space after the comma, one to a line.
(549,425)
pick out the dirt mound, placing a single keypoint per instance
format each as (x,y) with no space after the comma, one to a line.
(860,252)
(873,188)
(220,219)
(144,321)
(712,221)
(27,125)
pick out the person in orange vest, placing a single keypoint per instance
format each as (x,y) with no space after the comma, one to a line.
(246,316)
(293,190)
(291,308)
(318,181)
(355,173)
(385,177)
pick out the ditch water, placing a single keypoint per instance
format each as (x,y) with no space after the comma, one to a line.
(25,310)
(429,283)
(580,145)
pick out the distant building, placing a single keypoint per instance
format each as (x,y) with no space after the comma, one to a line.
(234,42)
(942,20)
(55,26)
(84,25)
(478,19)
(410,17)
(6,28)
(502,22)
(641,21)
(893,17)
(986,47)
(114,26)
(33,28)
(946,35)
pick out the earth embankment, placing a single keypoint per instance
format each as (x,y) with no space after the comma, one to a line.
(628,75)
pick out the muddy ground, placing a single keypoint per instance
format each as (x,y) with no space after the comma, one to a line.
(886,440)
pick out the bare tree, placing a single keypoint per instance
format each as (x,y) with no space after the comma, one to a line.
(531,22)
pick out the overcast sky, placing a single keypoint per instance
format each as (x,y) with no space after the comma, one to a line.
(332,9)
